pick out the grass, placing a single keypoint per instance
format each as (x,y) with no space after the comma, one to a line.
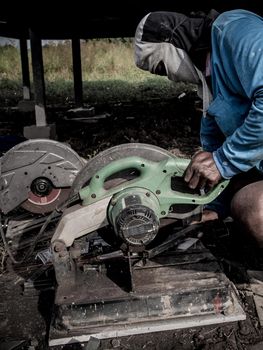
(108,71)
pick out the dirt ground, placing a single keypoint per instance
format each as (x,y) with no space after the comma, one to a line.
(25,313)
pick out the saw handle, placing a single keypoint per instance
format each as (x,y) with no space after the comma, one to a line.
(155,176)
(98,180)
(144,167)
(140,164)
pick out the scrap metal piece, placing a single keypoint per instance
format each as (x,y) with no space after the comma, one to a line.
(45,256)
(171,241)
(16,226)
(256,285)
(37,174)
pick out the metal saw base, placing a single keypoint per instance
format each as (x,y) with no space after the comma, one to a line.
(173,291)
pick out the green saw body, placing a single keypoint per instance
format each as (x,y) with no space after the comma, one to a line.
(132,187)
(137,205)
(154,178)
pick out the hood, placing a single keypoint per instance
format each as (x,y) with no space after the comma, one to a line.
(172,39)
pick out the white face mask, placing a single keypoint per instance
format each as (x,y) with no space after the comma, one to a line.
(177,63)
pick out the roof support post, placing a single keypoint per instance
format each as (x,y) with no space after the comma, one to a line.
(41,129)
(38,78)
(25,69)
(77,72)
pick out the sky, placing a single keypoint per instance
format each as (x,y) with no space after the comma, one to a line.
(14,42)
(7,41)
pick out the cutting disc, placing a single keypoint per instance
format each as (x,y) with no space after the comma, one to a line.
(45,203)
(37,175)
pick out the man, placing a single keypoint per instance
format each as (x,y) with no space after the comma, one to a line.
(225,50)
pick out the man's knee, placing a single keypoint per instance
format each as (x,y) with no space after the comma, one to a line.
(248,201)
(247,209)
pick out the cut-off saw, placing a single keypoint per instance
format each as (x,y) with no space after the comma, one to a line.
(116,251)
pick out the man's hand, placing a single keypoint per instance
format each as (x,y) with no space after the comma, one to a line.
(202,171)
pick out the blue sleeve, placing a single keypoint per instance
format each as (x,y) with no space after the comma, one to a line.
(210,134)
(240,52)
(244,148)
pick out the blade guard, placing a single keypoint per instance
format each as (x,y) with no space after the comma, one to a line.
(154,177)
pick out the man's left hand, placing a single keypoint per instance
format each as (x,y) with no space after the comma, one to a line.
(202,171)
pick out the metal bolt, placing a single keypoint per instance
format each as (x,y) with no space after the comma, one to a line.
(59,246)
(113,201)
(147,194)
(115,343)
(163,212)
(93,195)
(158,192)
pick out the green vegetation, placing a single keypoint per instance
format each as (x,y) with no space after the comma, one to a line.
(108,70)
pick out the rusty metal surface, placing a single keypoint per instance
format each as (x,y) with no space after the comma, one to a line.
(170,286)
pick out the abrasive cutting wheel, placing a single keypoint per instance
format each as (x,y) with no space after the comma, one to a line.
(43,197)
(37,175)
